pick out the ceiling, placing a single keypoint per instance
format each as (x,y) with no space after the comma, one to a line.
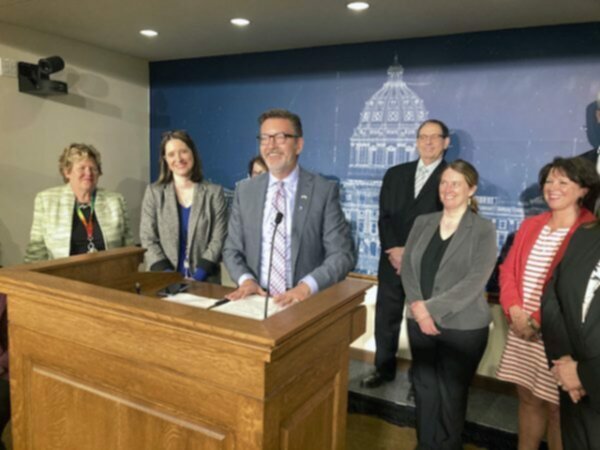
(194,28)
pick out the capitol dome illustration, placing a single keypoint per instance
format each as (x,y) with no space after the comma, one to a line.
(384,137)
(385,134)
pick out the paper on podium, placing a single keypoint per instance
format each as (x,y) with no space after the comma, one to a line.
(252,307)
(191,300)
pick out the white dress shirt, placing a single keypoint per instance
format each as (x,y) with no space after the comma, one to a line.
(590,291)
(428,171)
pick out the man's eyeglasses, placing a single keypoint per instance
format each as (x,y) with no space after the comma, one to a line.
(430,137)
(279,138)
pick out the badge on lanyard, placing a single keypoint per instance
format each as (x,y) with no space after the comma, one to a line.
(88,224)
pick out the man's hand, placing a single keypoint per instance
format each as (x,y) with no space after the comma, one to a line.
(294,295)
(394,255)
(248,287)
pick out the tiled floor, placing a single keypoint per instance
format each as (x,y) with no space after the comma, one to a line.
(486,410)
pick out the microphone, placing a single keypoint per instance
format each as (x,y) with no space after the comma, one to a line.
(278,219)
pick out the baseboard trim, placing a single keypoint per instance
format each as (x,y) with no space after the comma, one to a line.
(358,354)
(404,416)
(480,381)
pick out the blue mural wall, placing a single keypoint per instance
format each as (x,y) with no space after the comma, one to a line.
(513,100)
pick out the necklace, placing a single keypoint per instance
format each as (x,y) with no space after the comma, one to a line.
(89,223)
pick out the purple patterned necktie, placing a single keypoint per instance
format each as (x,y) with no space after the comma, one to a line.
(278,269)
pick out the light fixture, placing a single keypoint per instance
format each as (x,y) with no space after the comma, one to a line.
(240,22)
(357,6)
(149,33)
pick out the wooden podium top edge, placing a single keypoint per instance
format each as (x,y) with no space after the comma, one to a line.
(78,260)
(35,281)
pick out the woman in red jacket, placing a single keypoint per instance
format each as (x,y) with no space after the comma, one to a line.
(567,184)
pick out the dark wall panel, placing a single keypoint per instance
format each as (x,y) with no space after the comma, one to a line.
(513,100)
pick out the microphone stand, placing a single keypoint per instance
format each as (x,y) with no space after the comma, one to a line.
(278,219)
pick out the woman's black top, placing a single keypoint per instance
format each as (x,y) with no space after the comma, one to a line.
(79,241)
(431,262)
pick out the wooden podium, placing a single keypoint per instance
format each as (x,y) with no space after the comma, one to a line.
(94,366)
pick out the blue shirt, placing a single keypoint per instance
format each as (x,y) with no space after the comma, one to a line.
(184,219)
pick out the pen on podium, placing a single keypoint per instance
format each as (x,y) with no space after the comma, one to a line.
(218,303)
(138,288)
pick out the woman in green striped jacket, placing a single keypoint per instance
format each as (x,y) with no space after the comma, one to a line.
(77,217)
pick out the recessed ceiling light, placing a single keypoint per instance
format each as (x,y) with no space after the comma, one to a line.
(240,22)
(149,33)
(358,6)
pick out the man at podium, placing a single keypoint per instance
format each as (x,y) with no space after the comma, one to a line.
(287,231)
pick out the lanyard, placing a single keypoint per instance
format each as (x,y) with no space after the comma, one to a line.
(88,224)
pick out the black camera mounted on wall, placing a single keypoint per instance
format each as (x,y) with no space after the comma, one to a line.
(35,78)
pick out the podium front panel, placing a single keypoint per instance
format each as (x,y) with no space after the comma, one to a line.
(97,368)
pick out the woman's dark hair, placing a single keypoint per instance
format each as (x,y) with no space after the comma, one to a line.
(256,160)
(471,177)
(580,171)
(166,176)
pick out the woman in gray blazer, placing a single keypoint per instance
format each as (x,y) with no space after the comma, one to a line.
(184,223)
(448,259)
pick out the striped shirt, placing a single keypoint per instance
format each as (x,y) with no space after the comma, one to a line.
(524,362)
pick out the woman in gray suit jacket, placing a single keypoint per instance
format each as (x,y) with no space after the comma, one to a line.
(184,223)
(448,259)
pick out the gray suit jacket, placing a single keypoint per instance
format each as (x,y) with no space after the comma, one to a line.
(458,300)
(159,227)
(321,241)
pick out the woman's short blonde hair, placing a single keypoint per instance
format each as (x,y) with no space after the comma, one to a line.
(76,152)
